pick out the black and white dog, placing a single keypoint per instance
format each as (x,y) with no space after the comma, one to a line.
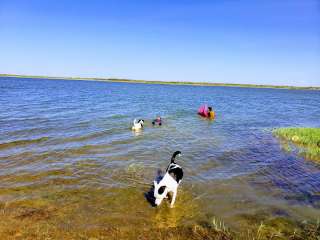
(137,125)
(169,182)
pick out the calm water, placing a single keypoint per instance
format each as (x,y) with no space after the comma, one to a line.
(69,143)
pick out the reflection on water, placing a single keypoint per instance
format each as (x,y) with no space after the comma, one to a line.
(71,167)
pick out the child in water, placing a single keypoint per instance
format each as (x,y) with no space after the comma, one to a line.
(157,121)
(207,112)
(211,113)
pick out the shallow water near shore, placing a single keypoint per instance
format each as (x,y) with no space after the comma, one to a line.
(70,166)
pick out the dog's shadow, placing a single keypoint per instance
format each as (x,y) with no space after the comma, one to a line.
(149,195)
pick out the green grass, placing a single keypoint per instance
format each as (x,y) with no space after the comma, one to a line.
(162,82)
(307,140)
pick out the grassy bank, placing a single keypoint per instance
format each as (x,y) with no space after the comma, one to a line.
(307,140)
(164,82)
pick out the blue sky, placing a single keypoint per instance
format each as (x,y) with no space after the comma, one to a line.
(259,42)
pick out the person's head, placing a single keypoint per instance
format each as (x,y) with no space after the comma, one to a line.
(210,109)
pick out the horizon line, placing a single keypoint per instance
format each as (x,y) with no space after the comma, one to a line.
(128,80)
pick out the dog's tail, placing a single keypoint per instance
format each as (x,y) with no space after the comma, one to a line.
(134,121)
(176,153)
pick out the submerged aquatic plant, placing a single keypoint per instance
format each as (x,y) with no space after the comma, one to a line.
(219,226)
(307,140)
(282,229)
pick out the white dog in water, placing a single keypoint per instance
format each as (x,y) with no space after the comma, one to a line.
(169,182)
(137,125)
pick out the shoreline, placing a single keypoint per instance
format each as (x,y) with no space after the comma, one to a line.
(206,84)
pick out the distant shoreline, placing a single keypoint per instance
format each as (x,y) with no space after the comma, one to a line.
(163,82)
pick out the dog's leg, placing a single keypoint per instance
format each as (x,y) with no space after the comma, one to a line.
(173,198)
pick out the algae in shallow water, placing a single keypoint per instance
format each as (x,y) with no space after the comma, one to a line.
(123,213)
(87,212)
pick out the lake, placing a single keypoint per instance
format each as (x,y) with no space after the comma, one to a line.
(70,164)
